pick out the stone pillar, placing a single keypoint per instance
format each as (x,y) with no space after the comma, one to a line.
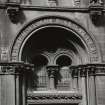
(100,84)
(91,83)
(87,85)
(12,87)
(79,78)
(92,90)
(74,73)
(83,86)
(52,70)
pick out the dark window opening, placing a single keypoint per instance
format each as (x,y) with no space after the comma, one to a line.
(63,80)
(63,61)
(39,60)
(40,78)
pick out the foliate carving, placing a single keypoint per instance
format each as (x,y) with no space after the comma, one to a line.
(96,2)
(59,22)
(96,9)
(88,69)
(13,11)
(52,70)
(79,70)
(53,97)
(15,68)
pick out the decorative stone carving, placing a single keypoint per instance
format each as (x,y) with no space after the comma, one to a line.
(13,11)
(77,3)
(53,20)
(52,71)
(15,67)
(96,2)
(96,9)
(91,69)
(54,97)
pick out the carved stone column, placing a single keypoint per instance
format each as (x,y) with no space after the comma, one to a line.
(74,73)
(91,84)
(12,91)
(100,84)
(52,71)
(79,79)
(83,85)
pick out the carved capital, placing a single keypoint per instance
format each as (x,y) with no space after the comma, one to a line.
(52,70)
(96,10)
(88,69)
(15,68)
(96,2)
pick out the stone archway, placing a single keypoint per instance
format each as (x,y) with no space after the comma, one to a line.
(60,22)
(51,40)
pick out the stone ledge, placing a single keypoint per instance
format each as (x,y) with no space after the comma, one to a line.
(46,97)
(15,67)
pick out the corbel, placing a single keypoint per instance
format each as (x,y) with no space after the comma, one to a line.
(13,12)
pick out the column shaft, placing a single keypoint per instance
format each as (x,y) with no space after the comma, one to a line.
(92,90)
(7,89)
(52,85)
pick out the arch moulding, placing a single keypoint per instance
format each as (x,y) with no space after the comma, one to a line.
(79,31)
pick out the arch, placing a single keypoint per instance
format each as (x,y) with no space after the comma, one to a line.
(40,60)
(64,60)
(64,52)
(56,21)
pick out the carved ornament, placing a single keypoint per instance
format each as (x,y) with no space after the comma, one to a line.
(15,68)
(52,20)
(45,98)
(88,69)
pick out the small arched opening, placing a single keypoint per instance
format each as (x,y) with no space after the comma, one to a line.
(63,80)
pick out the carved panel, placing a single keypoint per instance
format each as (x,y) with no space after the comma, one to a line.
(54,97)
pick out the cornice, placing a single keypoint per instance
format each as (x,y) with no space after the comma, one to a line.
(56,9)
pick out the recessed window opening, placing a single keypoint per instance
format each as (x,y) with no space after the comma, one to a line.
(40,77)
(64,61)
(40,60)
